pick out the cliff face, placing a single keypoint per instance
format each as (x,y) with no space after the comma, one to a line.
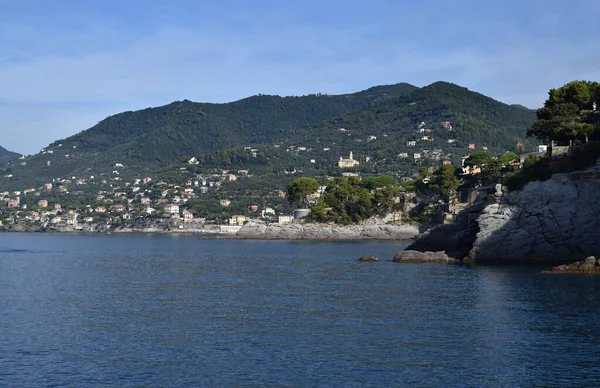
(556,221)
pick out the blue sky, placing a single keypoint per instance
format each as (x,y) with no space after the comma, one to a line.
(67,64)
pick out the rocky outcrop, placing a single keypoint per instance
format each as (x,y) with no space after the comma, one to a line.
(587,266)
(423,257)
(555,221)
(326,232)
(368,259)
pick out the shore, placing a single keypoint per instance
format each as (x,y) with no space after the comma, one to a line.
(252,231)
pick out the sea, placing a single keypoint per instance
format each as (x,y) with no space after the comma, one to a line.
(144,310)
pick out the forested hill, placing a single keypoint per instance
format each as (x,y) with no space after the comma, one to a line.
(150,139)
(7,156)
(161,135)
(474,118)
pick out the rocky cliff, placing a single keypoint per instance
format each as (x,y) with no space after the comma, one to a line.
(326,232)
(555,221)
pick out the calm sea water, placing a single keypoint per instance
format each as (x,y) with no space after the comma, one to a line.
(173,311)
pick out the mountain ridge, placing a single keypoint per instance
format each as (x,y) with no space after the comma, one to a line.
(7,156)
(153,138)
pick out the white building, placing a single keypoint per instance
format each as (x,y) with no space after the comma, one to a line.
(285,220)
(172,209)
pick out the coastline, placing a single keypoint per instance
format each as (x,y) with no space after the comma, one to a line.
(255,231)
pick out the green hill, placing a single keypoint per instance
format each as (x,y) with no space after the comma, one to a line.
(449,116)
(289,132)
(381,136)
(156,137)
(7,156)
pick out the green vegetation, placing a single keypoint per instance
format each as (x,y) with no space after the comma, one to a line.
(479,159)
(568,113)
(265,134)
(348,200)
(7,156)
(299,191)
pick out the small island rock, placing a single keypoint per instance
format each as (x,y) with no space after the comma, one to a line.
(367,259)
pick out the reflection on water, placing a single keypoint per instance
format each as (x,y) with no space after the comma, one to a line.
(142,310)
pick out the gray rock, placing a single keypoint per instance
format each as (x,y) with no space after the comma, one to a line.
(327,232)
(588,266)
(422,257)
(553,221)
(366,259)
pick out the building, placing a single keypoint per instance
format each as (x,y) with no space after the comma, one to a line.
(188,216)
(403,155)
(411,143)
(417,155)
(57,206)
(42,203)
(267,211)
(471,146)
(238,220)
(48,186)
(230,177)
(285,220)
(348,163)
(71,219)
(225,202)
(100,209)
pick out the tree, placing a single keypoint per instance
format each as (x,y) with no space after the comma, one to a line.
(479,158)
(299,190)
(445,180)
(507,157)
(374,182)
(345,201)
(567,113)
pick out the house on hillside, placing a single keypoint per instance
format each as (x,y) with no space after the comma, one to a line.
(172,209)
(187,216)
(238,220)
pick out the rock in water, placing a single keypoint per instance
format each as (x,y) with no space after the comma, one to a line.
(367,259)
(588,266)
(422,257)
(552,221)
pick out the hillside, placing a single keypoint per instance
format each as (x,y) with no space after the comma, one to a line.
(156,137)
(450,118)
(7,156)
(308,133)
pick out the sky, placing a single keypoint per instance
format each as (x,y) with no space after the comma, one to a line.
(67,64)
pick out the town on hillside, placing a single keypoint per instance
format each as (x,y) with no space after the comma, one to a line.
(200,201)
